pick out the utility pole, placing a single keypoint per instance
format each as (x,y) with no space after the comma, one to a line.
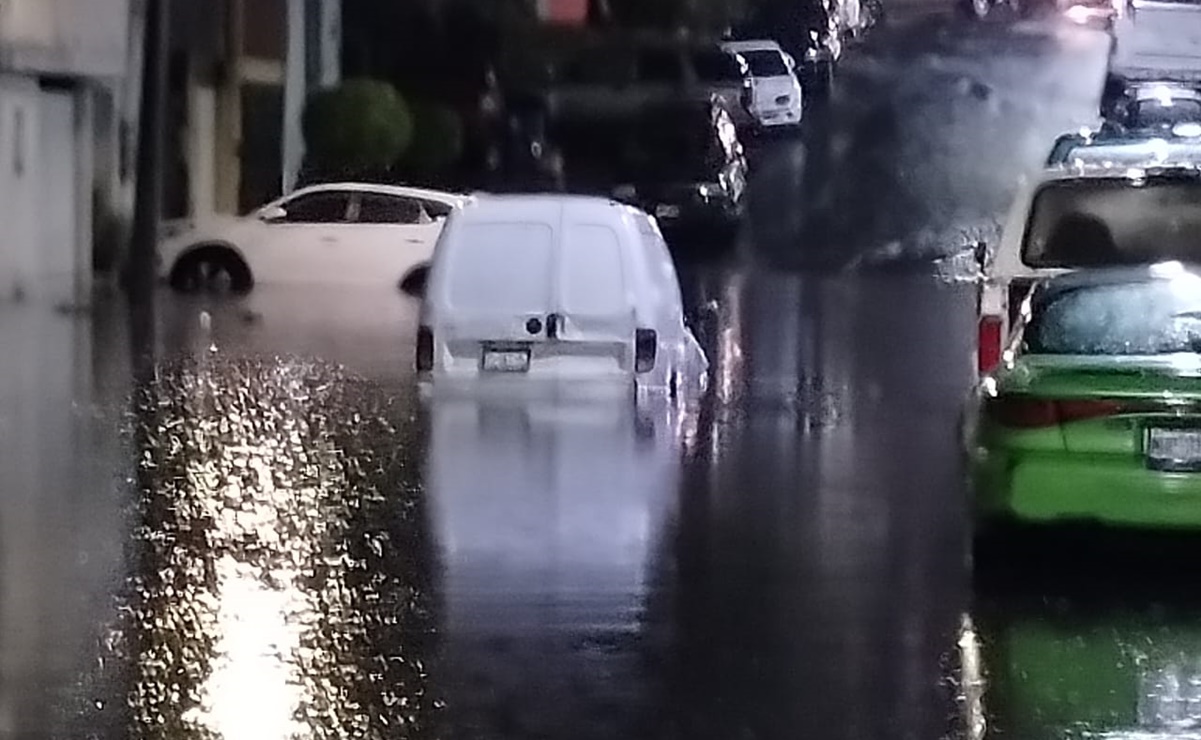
(149,185)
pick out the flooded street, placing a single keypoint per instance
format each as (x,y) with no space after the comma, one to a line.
(274,536)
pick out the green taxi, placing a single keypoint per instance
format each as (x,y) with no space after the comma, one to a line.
(1094,414)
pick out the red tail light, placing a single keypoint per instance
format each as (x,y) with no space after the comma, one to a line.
(989,346)
(425,349)
(646,346)
(1032,413)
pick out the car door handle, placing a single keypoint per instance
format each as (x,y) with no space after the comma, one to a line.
(329,240)
(414,241)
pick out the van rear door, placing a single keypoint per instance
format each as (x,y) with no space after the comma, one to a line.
(591,332)
(497,297)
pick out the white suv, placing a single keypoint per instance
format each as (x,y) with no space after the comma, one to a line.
(776,99)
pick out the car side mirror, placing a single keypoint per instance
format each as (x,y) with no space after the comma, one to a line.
(790,60)
(273,214)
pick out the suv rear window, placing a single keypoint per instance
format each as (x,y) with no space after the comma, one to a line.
(765,63)
(1114,221)
(1141,318)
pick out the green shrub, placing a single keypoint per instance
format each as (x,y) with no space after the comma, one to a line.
(360,126)
(437,143)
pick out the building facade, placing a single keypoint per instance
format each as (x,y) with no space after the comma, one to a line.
(240,73)
(61,66)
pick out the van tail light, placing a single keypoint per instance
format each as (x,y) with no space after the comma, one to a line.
(747,98)
(989,347)
(646,346)
(1019,412)
(425,349)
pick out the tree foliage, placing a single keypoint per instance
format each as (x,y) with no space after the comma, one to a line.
(437,138)
(361,125)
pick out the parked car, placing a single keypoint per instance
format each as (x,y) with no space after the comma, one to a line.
(777,100)
(339,233)
(685,164)
(615,78)
(555,287)
(1155,106)
(809,30)
(1089,216)
(1094,415)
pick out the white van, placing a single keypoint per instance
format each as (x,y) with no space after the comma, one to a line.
(556,287)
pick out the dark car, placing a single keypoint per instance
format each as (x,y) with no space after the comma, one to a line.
(1127,98)
(1156,106)
(683,163)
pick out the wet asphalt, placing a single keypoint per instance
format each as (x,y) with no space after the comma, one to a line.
(266,533)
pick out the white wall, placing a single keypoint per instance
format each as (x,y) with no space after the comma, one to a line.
(325,16)
(19,185)
(295,94)
(331,42)
(202,145)
(69,37)
(46,177)
(55,254)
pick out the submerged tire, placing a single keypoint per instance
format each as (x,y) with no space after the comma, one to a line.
(211,269)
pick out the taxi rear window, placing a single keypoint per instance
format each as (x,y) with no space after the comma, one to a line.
(1097,222)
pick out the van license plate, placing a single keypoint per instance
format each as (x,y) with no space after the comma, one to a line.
(506,360)
(1174,449)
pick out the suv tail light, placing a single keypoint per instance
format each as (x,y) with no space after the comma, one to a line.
(425,349)
(646,346)
(748,94)
(989,344)
(1032,413)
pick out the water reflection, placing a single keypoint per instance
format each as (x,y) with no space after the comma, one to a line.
(283,586)
(812,583)
(371,332)
(549,513)
(1064,668)
(59,508)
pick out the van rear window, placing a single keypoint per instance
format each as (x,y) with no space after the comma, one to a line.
(1094,222)
(502,267)
(593,280)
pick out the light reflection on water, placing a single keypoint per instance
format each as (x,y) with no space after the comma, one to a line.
(285,590)
(1067,670)
(552,515)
